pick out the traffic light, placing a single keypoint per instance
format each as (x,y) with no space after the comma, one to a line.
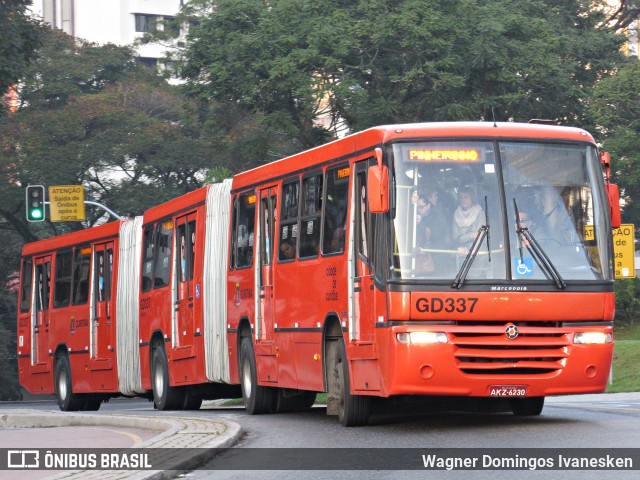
(35,203)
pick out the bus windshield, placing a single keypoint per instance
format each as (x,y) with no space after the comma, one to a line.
(451,198)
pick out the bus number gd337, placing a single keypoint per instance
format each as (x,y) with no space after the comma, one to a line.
(446,305)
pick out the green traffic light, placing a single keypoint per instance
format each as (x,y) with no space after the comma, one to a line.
(36,214)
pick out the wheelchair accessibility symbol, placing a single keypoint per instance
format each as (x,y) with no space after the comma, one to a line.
(523,266)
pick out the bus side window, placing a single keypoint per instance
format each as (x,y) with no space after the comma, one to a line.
(310,217)
(43,272)
(25,287)
(246,228)
(81,271)
(62,280)
(234,228)
(289,220)
(335,209)
(147,259)
(162,254)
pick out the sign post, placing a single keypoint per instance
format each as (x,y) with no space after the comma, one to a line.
(66,203)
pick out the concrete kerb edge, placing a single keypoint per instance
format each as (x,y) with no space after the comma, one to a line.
(35,419)
(167,426)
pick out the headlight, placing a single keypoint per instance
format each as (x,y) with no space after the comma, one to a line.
(592,337)
(422,337)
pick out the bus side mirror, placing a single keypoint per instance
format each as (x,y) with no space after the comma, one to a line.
(378,185)
(614,204)
(613,193)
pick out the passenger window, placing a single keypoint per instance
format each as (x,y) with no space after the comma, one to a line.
(104,271)
(25,291)
(62,280)
(289,220)
(246,228)
(186,250)
(43,273)
(310,218)
(162,254)
(234,229)
(147,262)
(335,209)
(81,271)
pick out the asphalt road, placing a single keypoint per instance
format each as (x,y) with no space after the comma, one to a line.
(590,421)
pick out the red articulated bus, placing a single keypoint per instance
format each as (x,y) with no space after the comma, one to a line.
(437,259)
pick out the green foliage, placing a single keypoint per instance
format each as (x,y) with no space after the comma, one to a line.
(628,300)
(90,115)
(615,108)
(9,251)
(626,357)
(380,61)
(19,38)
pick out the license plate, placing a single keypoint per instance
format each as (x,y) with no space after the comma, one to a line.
(507,391)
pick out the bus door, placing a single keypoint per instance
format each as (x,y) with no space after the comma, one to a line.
(361,271)
(103,309)
(265,304)
(185,286)
(40,314)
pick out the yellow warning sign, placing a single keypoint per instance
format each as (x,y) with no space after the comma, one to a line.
(624,251)
(66,203)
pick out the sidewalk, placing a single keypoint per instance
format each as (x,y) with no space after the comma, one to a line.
(188,440)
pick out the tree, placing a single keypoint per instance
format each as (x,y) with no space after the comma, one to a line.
(19,38)
(91,115)
(615,108)
(381,61)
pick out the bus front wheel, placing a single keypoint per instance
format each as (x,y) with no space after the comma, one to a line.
(353,410)
(527,407)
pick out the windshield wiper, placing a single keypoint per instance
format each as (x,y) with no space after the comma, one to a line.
(537,252)
(471,255)
(483,232)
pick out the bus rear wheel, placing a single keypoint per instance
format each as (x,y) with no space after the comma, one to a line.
(67,400)
(527,407)
(91,402)
(257,398)
(165,397)
(287,401)
(353,410)
(192,398)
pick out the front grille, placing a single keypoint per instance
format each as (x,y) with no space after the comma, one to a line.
(484,349)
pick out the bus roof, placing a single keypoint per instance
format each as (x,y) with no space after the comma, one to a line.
(377,136)
(88,235)
(183,202)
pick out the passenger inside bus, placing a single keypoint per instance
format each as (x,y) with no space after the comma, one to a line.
(432,232)
(558,225)
(467,220)
(287,251)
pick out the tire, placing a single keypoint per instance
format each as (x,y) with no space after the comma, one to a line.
(91,402)
(257,398)
(192,399)
(298,402)
(67,400)
(354,410)
(165,397)
(527,407)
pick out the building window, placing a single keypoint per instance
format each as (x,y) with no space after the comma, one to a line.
(148,61)
(145,23)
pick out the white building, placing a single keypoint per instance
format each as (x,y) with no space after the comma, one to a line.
(120,22)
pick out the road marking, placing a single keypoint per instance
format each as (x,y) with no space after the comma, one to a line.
(135,438)
(601,407)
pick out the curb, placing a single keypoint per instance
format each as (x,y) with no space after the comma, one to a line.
(197,436)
